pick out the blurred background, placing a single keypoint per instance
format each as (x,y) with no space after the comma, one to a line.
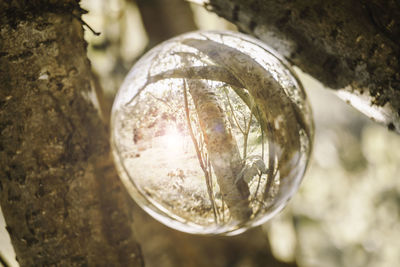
(347,211)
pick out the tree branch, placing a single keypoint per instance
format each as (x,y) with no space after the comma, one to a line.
(350,46)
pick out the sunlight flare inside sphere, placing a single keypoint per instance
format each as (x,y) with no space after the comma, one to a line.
(173,141)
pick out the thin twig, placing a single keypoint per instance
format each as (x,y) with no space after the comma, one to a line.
(262,152)
(161,100)
(233,113)
(212,193)
(154,61)
(271,159)
(223,208)
(258,185)
(191,129)
(246,135)
(87,25)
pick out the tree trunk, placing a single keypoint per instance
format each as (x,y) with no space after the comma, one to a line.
(223,150)
(61,198)
(349,45)
(164,19)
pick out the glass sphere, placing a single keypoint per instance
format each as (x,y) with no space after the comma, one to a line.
(211,132)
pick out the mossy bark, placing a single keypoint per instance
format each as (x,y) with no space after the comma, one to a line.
(61,198)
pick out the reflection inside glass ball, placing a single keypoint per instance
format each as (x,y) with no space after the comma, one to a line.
(211,133)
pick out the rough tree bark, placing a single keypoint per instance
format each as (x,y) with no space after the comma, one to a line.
(350,45)
(59,192)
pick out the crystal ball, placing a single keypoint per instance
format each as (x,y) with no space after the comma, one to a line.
(211,132)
